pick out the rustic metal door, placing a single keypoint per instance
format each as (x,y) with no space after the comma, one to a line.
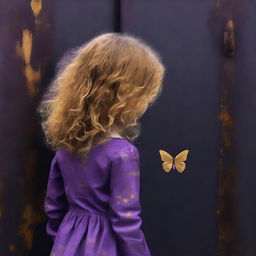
(179,209)
(207,106)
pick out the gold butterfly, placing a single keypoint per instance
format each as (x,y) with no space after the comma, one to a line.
(178,162)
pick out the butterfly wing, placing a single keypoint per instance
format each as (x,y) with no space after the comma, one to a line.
(180,159)
(167,160)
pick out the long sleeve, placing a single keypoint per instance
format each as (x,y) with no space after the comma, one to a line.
(55,202)
(125,202)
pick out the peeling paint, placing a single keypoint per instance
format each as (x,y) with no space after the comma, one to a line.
(24,51)
(228,208)
(30,218)
(225,117)
(227,123)
(31,43)
(25,48)
(32,76)
(36,6)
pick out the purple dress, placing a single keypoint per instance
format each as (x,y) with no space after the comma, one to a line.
(93,209)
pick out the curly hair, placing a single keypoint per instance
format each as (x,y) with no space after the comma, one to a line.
(101,85)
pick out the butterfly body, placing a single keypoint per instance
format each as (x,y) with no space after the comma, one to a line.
(177,162)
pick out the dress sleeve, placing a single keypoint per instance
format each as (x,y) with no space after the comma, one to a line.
(55,202)
(125,202)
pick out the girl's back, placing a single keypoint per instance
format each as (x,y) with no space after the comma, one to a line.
(98,203)
(101,88)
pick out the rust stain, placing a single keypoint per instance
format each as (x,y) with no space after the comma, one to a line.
(36,6)
(229,38)
(30,218)
(32,57)
(33,210)
(228,243)
(32,77)
(227,207)
(225,117)
(227,123)
(12,247)
(24,51)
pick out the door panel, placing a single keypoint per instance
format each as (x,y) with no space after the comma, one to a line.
(179,210)
(207,105)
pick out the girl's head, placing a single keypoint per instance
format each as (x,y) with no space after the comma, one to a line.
(105,84)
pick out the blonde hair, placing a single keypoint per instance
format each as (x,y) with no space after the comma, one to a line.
(100,85)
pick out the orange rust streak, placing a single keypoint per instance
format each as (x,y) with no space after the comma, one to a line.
(30,218)
(24,51)
(36,6)
(25,48)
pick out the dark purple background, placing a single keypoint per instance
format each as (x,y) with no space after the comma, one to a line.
(178,210)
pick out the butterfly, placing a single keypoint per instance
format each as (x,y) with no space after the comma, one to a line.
(178,162)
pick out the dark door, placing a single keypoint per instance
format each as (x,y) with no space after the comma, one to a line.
(207,106)
(179,209)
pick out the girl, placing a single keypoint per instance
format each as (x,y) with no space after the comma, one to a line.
(90,118)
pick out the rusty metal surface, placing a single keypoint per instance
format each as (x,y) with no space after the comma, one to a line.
(229,203)
(34,35)
(179,214)
(26,50)
(166,26)
(208,106)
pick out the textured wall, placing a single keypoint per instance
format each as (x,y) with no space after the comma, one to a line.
(26,51)
(207,106)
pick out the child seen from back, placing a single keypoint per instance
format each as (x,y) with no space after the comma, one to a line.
(90,117)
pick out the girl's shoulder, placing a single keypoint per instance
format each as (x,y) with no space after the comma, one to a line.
(120,147)
(114,147)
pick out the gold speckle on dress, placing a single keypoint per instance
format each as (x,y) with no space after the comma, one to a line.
(133,173)
(132,195)
(128,214)
(125,197)
(125,155)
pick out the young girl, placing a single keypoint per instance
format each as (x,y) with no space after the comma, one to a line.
(90,118)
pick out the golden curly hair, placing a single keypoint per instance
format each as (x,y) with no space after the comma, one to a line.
(106,83)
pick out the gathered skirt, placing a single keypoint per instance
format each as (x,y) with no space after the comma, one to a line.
(83,233)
